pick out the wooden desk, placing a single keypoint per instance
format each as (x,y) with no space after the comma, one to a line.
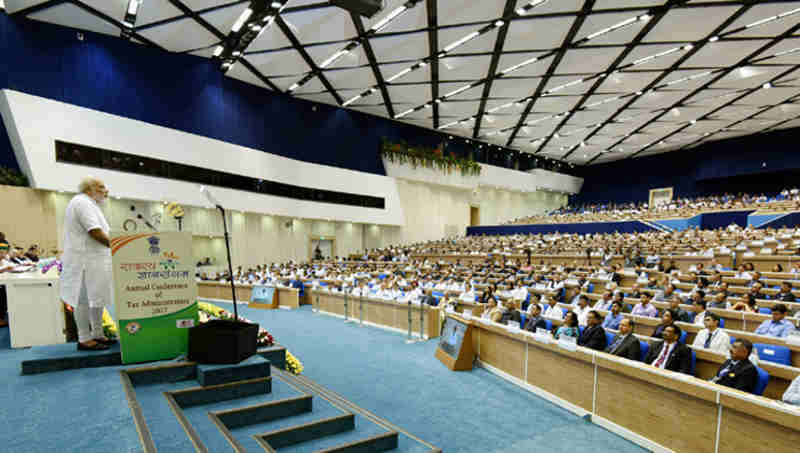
(285,297)
(379,312)
(35,311)
(675,411)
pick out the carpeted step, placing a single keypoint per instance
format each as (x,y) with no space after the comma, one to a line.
(259,413)
(308,431)
(250,368)
(381,442)
(196,396)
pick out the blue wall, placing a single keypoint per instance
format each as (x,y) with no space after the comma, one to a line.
(187,93)
(714,220)
(675,224)
(758,163)
(571,228)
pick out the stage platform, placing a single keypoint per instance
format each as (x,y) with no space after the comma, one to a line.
(61,357)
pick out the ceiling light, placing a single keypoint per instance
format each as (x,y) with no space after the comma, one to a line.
(638,93)
(267,19)
(349,101)
(400,115)
(236,53)
(499,23)
(241,20)
(766,86)
(127,24)
(556,135)
(519,65)
(428,105)
(645,17)
(333,58)
(399,74)
(772,18)
(713,39)
(276,4)
(692,121)
(226,65)
(133,7)
(422,64)
(688,47)
(462,40)
(614,27)
(294,86)
(455,92)
(218,51)
(385,21)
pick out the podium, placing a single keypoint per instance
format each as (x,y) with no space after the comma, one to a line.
(155,294)
(455,349)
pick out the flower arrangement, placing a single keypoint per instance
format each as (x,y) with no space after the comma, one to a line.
(207,312)
(433,158)
(293,365)
(11,177)
(50,265)
(109,325)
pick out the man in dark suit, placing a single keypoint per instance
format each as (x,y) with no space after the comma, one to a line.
(626,344)
(738,372)
(535,320)
(593,335)
(669,354)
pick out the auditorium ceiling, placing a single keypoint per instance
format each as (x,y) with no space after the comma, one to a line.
(582,81)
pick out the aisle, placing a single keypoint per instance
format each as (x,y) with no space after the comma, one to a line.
(465,412)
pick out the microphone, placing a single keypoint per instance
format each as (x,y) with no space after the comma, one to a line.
(210,197)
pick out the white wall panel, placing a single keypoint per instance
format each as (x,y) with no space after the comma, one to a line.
(33,145)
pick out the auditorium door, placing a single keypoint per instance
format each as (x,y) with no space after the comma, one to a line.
(474,216)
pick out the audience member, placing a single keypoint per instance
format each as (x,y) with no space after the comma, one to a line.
(570,326)
(777,326)
(738,372)
(669,354)
(645,308)
(626,344)
(593,336)
(712,337)
(614,317)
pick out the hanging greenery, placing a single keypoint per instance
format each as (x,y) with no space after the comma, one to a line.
(10,177)
(434,158)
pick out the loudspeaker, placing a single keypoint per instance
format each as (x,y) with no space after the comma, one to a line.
(366,8)
(223,342)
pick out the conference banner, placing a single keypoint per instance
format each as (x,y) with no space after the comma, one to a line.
(155,294)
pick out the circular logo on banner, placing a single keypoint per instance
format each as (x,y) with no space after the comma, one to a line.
(133,328)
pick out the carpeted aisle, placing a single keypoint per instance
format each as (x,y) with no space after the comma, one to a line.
(405,384)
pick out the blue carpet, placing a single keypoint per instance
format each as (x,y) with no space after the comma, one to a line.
(85,410)
(406,385)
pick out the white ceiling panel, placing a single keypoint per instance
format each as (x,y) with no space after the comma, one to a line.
(689,24)
(240,72)
(537,33)
(588,61)
(150,12)
(12,6)
(71,16)
(324,30)
(185,34)
(460,11)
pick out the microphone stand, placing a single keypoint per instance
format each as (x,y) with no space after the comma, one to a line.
(227,249)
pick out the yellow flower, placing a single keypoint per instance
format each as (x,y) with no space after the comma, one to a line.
(293,365)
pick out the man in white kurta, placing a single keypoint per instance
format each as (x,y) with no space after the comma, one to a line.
(86,263)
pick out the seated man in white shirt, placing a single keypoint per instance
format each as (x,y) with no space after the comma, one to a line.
(582,310)
(604,303)
(468,295)
(712,337)
(552,310)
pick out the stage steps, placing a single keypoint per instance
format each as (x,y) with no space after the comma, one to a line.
(231,407)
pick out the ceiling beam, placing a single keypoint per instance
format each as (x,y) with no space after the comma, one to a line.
(657,15)
(500,42)
(562,49)
(307,58)
(760,111)
(373,63)
(714,80)
(686,56)
(433,50)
